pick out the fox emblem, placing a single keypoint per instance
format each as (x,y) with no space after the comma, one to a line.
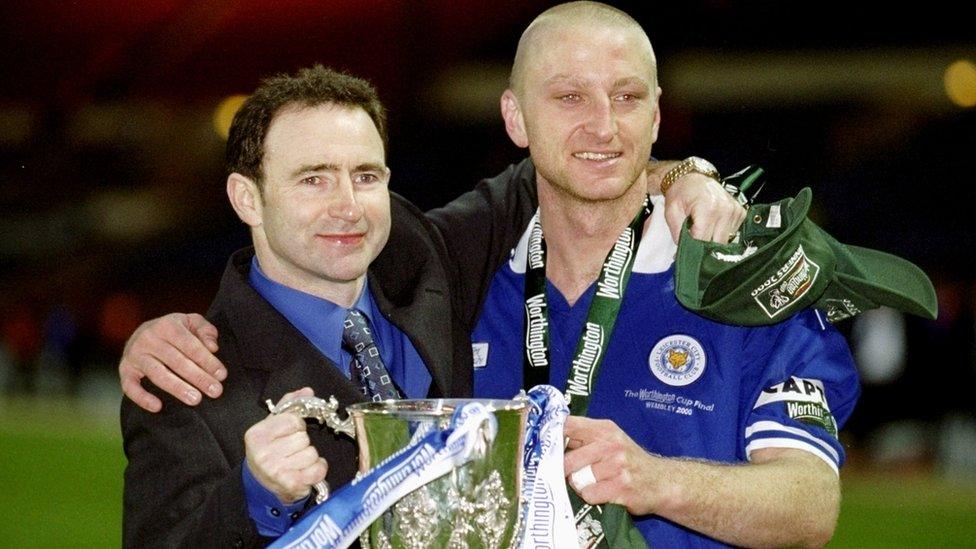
(677,359)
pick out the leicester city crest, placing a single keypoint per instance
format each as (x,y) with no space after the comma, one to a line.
(677,360)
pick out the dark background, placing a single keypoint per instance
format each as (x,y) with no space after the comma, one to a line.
(112,204)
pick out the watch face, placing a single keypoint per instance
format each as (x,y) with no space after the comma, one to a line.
(703,166)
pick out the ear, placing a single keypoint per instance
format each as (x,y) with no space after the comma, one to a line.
(514,122)
(245,198)
(657,116)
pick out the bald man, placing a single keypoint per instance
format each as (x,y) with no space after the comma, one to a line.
(707,434)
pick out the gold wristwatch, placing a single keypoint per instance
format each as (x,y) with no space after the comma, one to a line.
(686,166)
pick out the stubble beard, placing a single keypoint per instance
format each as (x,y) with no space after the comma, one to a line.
(563,187)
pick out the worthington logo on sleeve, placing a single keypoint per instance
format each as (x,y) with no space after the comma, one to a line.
(805,400)
(788,285)
(616,263)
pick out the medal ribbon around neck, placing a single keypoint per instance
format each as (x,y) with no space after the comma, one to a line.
(601,526)
(600,318)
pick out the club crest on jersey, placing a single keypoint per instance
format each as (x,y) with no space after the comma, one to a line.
(677,360)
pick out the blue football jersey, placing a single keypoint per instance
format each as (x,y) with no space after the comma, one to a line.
(679,384)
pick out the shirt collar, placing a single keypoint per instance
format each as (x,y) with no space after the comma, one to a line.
(655,254)
(318,319)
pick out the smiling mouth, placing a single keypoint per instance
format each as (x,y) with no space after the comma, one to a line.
(597,156)
(343,239)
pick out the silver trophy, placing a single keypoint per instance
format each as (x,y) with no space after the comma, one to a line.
(475,505)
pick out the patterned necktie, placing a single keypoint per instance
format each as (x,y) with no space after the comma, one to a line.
(367,365)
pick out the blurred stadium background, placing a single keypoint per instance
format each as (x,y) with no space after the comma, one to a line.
(112,208)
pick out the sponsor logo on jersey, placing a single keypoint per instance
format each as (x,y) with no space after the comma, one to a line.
(650,395)
(805,401)
(677,360)
(813,414)
(791,281)
(653,399)
(479,350)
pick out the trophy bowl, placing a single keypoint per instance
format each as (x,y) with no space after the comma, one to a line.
(475,505)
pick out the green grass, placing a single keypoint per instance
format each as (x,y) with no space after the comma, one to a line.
(60,477)
(61,485)
(906,511)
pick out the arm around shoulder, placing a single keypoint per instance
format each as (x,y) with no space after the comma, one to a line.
(480,228)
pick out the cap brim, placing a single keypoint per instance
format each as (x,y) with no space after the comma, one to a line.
(888,280)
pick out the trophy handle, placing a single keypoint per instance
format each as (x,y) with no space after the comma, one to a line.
(324,411)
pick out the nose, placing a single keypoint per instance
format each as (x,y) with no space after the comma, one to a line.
(344,205)
(601,120)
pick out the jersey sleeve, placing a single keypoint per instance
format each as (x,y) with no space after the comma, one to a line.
(804,391)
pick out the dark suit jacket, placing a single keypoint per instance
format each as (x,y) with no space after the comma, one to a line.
(183,483)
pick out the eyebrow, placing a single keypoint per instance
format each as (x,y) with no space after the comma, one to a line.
(563,79)
(330,167)
(308,168)
(370,167)
(631,80)
(619,83)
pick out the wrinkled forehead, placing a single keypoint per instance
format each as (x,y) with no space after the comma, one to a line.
(325,133)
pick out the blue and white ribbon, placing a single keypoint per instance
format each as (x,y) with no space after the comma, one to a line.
(548,521)
(339,520)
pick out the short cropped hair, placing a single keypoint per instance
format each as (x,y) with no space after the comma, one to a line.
(572,13)
(309,87)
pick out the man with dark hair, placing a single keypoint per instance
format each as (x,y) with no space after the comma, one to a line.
(311,87)
(308,176)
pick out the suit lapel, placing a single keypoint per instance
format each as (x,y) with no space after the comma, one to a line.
(410,287)
(427,322)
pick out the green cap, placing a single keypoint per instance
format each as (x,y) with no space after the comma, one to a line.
(782,263)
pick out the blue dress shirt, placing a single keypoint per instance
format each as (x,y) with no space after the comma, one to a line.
(320,321)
